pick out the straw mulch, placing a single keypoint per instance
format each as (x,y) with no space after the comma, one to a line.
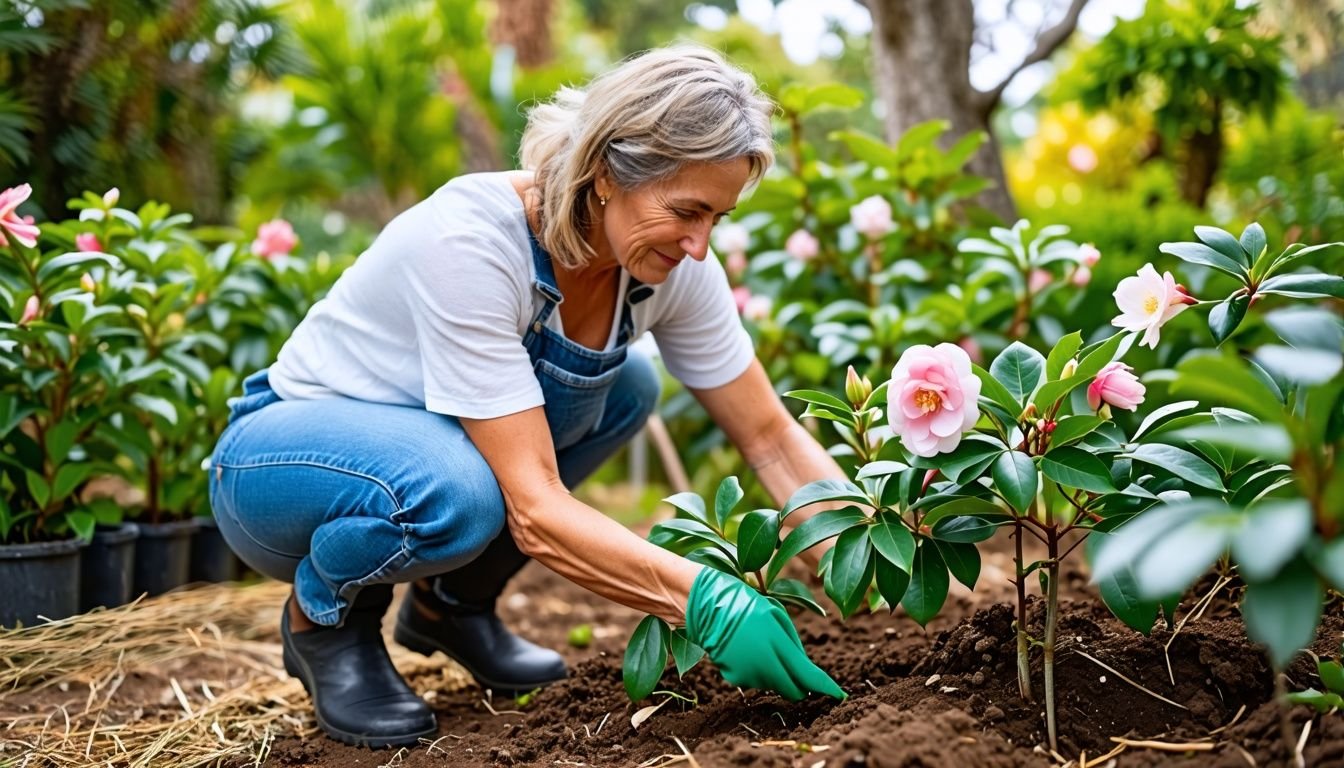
(192,678)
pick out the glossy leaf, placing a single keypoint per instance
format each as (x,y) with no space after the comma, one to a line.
(1073,428)
(1282,614)
(684,653)
(1074,467)
(645,657)
(927,590)
(1253,241)
(1180,463)
(893,539)
(1227,315)
(727,497)
(1019,369)
(1271,534)
(757,537)
(1224,243)
(1015,477)
(823,490)
(892,581)
(794,592)
(1198,253)
(963,560)
(1061,354)
(1305,285)
(691,504)
(812,531)
(851,570)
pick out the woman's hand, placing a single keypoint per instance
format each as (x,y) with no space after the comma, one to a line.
(751,638)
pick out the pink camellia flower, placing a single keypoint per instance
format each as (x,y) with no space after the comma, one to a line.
(1088,255)
(872,217)
(1117,387)
(1039,280)
(802,246)
(735,264)
(20,227)
(274,238)
(30,310)
(933,398)
(731,238)
(88,242)
(1082,158)
(1147,301)
(741,294)
(1081,276)
(757,308)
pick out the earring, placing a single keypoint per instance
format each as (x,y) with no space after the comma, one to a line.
(602,201)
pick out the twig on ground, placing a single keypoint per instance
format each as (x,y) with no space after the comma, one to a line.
(1193,614)
(1229,723)
(1166,746)
(1302,743)
(1118,674)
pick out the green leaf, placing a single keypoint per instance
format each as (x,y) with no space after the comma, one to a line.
(1329,560)
(1176,559)
(927,590)
(967,529)
(1305,285)
(880,469)
(74,258)
(1062,353)
(1332,675)
(891,538)
(82,523)
(1282,614)
(38,488)
(678,529)
(685,653)
(892,580)
(812,531)
(757,537)
(1015,477)
(729,494)
(1267,441)
(1120,593)
(1076,468)
(993,391)
(1162,413)
(1226,380)
(962,507)
(851,570)
(691,504)
(60,438)
(1253,241)
(794,592)
(1099,358)
(824,490)
(1323,702)
(12,413)
(826,401)
(1227,315)
(1072,428)
(963,560)
(69,477)
(965,462)
(1053,391)
(1198,253)
(645,657)
(866,148)
(1180,463)
(158,406)
(1272,533)
(1019,368)
(1224,243)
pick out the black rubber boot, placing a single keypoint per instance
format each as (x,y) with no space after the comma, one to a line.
(455,613)
(359,697)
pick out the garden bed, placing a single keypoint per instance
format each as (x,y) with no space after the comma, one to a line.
(946,697)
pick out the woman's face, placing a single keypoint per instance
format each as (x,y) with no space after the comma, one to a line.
(650,230)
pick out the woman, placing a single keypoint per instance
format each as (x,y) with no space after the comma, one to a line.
(426,419)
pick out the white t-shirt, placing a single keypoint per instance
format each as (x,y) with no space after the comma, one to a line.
(434,312)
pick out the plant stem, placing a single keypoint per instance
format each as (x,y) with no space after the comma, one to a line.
(1285,723)
(1023,668)
(1051,621)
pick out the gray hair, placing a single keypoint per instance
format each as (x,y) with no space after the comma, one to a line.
(643,121)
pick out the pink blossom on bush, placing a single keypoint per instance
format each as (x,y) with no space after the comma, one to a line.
(802,246)
(1147,301)
(274,238)
(20,227)
(1082,158)
(972,348)
(735,264)
(757,308)
(872,217)
(1081,276)
(1117,387)
(1088,255)
(933,398)
(740,296)
(30,310)
(88,242)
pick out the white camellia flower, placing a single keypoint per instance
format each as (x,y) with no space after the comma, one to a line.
(1147,301)
(731,238)
(872,217)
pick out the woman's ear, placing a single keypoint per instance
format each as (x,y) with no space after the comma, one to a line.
(602,184)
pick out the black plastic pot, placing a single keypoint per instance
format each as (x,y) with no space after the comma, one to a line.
(211,558)
(162,557)
(38,580)
(106,567)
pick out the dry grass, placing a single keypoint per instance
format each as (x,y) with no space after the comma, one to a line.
(188,679)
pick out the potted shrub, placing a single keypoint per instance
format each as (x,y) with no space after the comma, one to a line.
(54,391)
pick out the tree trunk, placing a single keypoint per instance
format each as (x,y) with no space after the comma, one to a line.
(921,67)
(525,25)
(1203,154)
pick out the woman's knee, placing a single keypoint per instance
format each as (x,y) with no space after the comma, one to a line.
(455,512)
(639,384)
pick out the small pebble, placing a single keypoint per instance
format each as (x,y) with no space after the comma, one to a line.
(993,714)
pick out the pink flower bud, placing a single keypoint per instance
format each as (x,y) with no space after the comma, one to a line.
(1088,255)
(21,228)
(731,238)
(802,246)
(1081,276)
(1117,387)
(872,217)
(741,294)
(735,264)
(757,308)
(30,310)
(88,242)
(1039,280)
(1082,158)
(86,282)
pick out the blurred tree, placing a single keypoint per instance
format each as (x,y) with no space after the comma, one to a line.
(132,93)
(1313,37)
(921,72)
(1188,62)
(525,25)
(638,25)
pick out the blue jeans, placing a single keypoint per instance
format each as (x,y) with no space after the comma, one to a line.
(334,495)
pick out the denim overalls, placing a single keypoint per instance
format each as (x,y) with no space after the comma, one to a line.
(338,494)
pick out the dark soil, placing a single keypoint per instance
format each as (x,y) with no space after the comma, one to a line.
(947,697)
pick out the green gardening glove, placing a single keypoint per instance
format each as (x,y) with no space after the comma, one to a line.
(751,638)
